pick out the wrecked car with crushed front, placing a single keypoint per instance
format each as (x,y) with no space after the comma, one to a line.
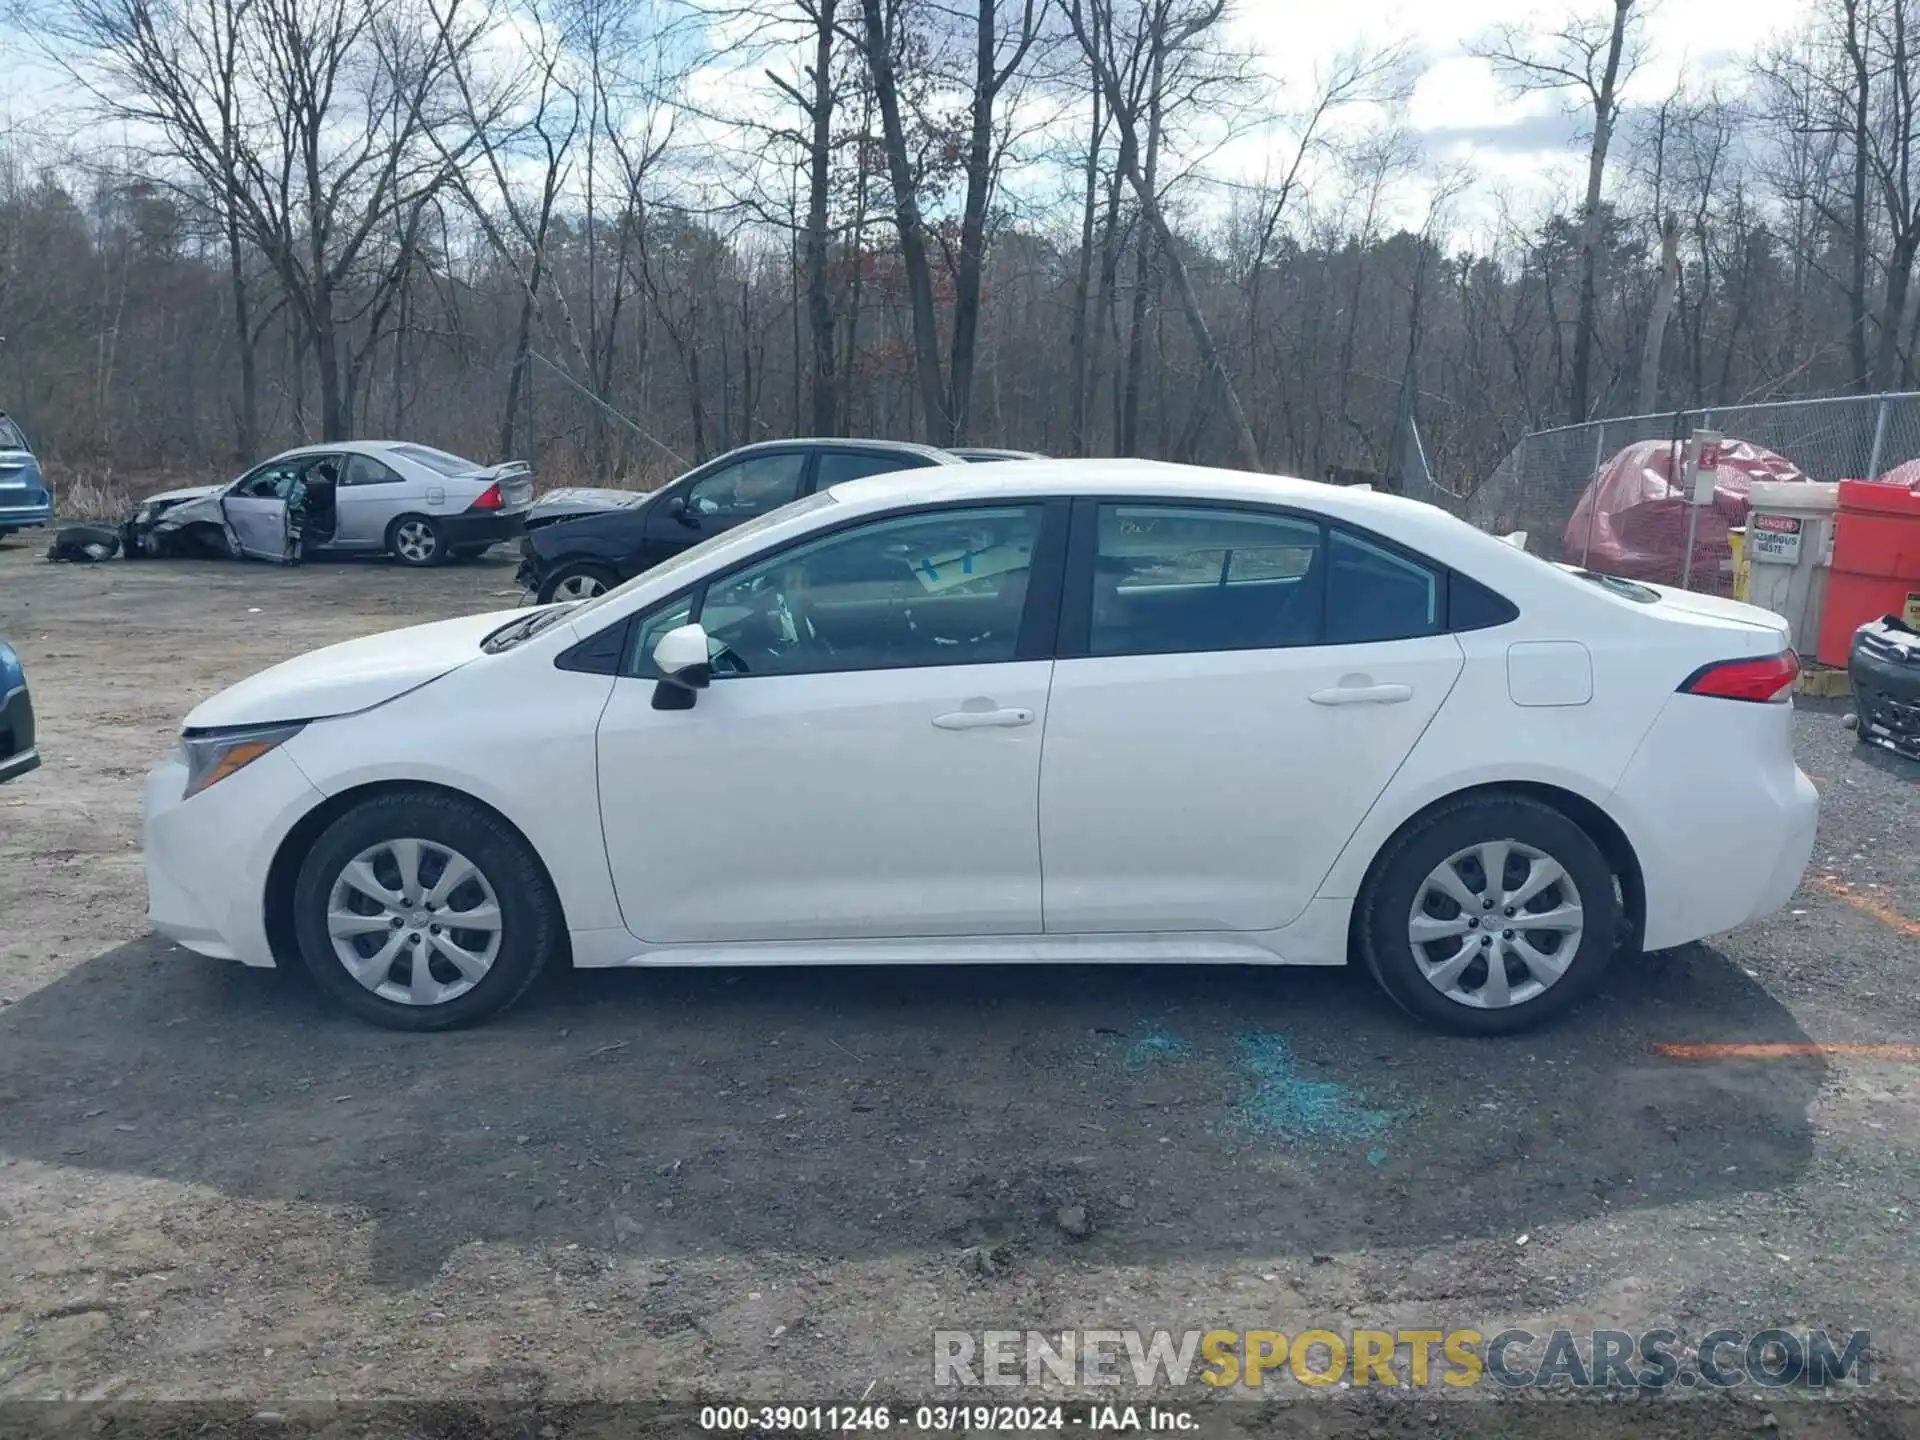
(420,505)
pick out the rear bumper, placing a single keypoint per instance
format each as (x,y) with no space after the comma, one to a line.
(1721,818)
(17,752)
(483,527)
(26,517)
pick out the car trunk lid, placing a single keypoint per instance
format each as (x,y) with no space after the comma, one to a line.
(515,481)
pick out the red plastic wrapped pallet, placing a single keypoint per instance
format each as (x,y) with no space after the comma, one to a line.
(1632,520)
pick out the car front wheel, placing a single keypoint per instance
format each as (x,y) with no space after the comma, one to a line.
(423,911)
(576,582)
(416,540)
(1490,915)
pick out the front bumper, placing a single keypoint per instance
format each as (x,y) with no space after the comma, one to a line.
(1884,670)
(483,527)
(208,857)
(17,752)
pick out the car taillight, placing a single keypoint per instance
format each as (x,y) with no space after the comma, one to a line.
(489,499)
(1760,679)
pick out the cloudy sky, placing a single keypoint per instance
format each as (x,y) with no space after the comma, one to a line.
(1464,115)
(1525,147)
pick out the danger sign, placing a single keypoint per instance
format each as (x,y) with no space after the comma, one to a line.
(1774,538)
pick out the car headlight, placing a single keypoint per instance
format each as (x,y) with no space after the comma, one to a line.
(215,754)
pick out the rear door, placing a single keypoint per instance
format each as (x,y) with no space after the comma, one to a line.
(1236,686)
(723,497)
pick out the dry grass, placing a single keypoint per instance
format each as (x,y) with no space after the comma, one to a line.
(86,492)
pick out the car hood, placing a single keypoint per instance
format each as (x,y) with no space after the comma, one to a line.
(174,497)
(586,498)
(351,676)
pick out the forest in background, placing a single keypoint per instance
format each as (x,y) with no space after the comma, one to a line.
(615,235)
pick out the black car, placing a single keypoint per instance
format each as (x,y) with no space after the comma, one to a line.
(578,559)
(1884,670)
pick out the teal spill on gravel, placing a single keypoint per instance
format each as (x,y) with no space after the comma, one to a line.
(1156,1047)
(1287,1105)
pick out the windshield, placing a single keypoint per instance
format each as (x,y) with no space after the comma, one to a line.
(438,460)
(11,437)
(515,631)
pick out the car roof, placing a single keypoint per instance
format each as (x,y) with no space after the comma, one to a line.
(838,442)
(1412,522)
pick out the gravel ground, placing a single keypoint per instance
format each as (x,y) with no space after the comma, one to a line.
(683,1187)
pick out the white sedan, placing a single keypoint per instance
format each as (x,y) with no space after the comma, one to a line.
(1041,711)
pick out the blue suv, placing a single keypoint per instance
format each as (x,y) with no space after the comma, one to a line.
(17,755)
(25,500)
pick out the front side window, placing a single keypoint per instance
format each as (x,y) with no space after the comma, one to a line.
(11,437)
(273,481)
(748,487)
(942,588)
(1377,594)
(1169,579)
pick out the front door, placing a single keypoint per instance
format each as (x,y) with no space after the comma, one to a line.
(732,492)
(866,762)
(255,510)
(1243,686)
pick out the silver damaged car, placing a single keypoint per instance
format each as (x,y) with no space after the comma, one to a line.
(420,505)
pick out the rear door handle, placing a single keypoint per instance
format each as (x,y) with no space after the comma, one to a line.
(1362,695)
(979,719)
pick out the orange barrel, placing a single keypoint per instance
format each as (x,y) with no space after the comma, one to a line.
(1876,561)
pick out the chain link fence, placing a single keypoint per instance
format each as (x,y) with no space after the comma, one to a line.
(1539,484)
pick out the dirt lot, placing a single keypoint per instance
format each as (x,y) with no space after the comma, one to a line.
(688,1186)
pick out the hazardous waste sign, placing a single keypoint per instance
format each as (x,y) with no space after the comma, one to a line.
(1774,538)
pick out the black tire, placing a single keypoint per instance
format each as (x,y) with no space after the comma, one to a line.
(1399,876)
(600,575)
(531,928)
(417,541)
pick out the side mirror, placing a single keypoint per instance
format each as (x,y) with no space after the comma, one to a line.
(677,508)
(685,663)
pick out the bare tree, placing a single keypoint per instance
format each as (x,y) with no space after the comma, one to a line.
(1591,56)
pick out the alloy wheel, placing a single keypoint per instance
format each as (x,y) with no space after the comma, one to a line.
(1496,924)
(414,921)
(579,587)
(415,541)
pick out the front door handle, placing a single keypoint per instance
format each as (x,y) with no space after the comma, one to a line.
(1362,695)
(979,719)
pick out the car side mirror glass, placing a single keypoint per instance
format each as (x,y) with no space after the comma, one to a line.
(685,662)
(677,508)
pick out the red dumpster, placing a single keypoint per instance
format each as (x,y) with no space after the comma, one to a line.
(1876,561)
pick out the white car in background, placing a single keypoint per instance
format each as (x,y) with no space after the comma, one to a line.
(1052,711)
(420,505)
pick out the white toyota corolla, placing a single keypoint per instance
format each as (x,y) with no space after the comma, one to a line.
(1045,711)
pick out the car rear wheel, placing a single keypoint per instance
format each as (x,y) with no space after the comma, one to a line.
(423,911)
(576,582)
(1489,916)
(416,540)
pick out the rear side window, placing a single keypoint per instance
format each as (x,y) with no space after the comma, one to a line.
(839,466)
(1171,580)
(1374,593)
(365,470)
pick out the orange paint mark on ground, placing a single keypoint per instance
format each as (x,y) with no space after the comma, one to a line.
(1880,910)
(1786,1050)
